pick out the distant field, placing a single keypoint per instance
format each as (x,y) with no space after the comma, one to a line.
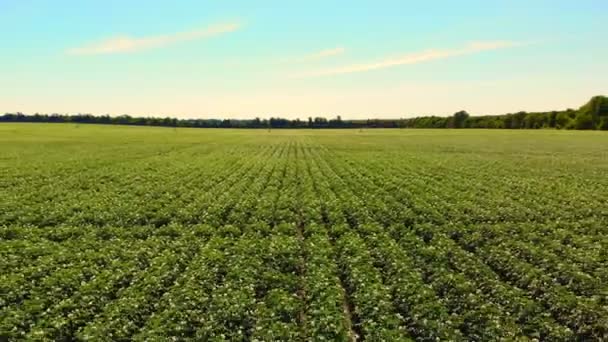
(118,233)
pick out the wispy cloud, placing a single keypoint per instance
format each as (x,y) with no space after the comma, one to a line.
(312,57)
(324,54)
(414,58)
(127,44)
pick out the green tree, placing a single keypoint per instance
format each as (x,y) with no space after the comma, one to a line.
(603,125)
(562,120)
(583,121)
(459,119)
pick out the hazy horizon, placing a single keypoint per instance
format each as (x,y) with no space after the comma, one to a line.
(381,59)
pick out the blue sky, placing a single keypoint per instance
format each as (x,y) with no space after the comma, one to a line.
(358,59)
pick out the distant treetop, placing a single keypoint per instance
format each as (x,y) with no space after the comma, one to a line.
(591,116)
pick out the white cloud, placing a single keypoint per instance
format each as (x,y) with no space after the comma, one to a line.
(312,57)
(414,58)
(133,44)
(323,54)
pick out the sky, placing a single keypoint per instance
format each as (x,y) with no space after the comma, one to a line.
(295,59)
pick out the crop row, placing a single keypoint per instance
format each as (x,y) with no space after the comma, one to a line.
(299,238)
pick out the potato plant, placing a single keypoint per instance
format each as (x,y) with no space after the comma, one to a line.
(154,234)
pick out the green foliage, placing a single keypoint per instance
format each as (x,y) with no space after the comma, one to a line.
(563,120)
(603,124)
(152,234)
(583,120)
(597,108)
(459,119)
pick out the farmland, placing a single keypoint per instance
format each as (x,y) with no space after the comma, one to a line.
(139,233)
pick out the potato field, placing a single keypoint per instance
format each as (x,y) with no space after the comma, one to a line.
(116,233)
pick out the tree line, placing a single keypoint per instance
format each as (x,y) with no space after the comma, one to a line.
(592,115)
